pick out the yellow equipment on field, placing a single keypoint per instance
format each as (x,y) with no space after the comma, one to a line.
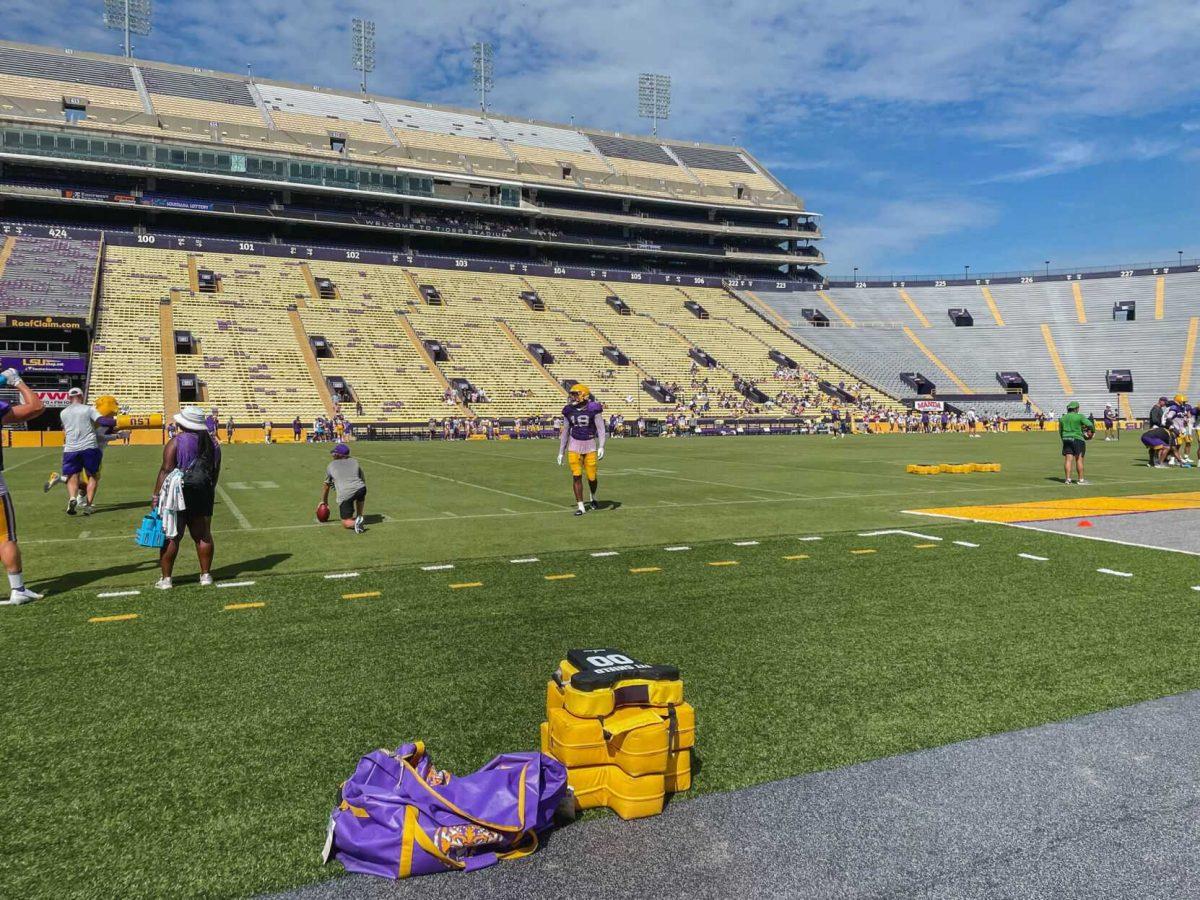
(622,729)
(950,468)
(125,423)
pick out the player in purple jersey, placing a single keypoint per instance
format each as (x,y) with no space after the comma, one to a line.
(29,407)
(582,440)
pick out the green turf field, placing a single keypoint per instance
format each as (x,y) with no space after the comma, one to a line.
(195,749)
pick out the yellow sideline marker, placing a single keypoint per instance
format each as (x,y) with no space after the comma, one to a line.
(125,617)
(1071,508)
(923,546)
(231,606)
(362,596)
(860,552)
(724,562)
(644,569)
(562,577)
(797,556)
(466,584)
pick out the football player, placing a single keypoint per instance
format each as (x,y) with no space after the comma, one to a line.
(28,407)
(582,439)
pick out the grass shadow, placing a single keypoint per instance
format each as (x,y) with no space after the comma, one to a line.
(75,580)
(250,566)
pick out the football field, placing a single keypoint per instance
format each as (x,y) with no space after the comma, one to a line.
(190,742)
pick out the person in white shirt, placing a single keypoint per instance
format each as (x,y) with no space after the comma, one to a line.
(83,452)
(28,407)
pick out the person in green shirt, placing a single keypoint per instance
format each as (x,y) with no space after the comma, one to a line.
(1072,427)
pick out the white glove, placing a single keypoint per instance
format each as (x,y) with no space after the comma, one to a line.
(560,459)
(11,376)
(600,453)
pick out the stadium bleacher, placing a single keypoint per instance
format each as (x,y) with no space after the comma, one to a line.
(49,276)
(153,98)
(252,352)
(1029,328)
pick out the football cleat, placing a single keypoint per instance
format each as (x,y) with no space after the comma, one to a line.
(206,580)
(163,584)
(359,525)
(578,511)
(20,595)
(54,479)
(87,509)
(71,504)
(593,505)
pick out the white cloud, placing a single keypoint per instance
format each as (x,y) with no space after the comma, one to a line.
(896,228)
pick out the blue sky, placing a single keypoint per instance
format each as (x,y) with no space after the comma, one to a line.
(932,134)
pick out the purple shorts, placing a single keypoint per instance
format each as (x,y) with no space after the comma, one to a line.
(1152,440)
(82,461)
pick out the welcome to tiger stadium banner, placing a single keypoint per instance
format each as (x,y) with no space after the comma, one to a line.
(928,405)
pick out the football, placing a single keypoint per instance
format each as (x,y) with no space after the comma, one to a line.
(322,512)
(1089,433)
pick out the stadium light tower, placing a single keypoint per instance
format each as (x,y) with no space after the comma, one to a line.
(364,49)
(482,65)
(654,98)
(128,16)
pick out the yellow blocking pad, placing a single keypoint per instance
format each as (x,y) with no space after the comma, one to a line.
(1071,508)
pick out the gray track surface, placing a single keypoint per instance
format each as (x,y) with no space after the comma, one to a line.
(1103,806)
(1175,529)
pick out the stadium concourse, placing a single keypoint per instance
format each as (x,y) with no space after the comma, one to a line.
(872,653)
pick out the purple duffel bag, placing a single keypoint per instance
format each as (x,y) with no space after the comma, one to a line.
(399,816)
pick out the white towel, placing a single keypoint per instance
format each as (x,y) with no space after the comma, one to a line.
(170,502)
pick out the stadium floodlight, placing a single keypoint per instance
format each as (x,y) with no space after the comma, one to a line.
(364,49)
(654,98)
(128,16)
(482,66)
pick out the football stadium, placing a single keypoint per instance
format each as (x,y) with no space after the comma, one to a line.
(346,436)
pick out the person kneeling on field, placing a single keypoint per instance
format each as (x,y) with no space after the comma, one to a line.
(1071,428)
(345,475)
(185,492)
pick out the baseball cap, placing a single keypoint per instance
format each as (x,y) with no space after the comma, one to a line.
(1074,404)
(75,392)
(340,450)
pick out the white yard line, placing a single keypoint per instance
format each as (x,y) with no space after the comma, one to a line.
(440,568)
(481,487)
(915,534)
(332,575)
(229,584)
(606,553)
(1042,530)
(525,559)
(745,543)
(1035,558)
(119,594)
(237,513)
(966,544)
(1115,572)
(25,462)
(675,549)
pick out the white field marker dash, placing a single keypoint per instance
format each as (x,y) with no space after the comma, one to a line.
(966,544)
(606,553)
(437,568)
(745,543)
(811,537)
(342,575)
(526,559)
(228,584)
(675,549)
(119,594)
(1031,556)
(1115,572)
